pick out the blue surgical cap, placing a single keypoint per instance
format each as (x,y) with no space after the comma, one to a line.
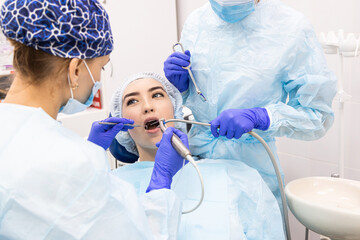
(63,28)
(124,138)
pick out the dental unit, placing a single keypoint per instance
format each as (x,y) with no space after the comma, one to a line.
(186,154)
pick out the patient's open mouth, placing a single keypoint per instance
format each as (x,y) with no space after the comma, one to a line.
(151,124)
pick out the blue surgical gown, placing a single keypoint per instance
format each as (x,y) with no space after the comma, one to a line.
(237,202)
(56,185)
(271,59)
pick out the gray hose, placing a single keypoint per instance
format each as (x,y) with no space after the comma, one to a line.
(278,176)
(192,161)
(273,161)
(186,154)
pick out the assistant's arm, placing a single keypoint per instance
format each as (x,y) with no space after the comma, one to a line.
(311,87)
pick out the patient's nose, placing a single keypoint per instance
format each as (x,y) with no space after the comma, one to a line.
(149,110)
(148,107)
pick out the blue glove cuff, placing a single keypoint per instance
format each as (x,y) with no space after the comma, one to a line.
(262,118)
(159,181)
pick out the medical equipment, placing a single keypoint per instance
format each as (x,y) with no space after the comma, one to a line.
(177,145)
(190,73)
(185,153)
(147,126)
(114,123)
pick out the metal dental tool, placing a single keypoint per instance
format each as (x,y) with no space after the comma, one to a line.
(126,124)
(149,125)
(185,153)
(190,73)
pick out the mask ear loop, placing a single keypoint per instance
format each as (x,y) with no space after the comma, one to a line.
(71,91)
(87,67)
(111,68)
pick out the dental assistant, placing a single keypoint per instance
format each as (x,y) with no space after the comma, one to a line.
(260,66)
(53,183)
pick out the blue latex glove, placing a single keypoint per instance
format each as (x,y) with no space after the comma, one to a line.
(174,72)
(103,135)
(167,161)
(233,123)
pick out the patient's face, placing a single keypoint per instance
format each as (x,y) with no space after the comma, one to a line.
(145,100)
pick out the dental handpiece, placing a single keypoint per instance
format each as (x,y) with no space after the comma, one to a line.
(190,73)
(176,142)
(185,153)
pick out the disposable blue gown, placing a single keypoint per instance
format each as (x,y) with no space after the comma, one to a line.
(56,185)
(237,202)
(270,59)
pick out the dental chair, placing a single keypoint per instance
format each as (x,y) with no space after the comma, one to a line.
(121,154)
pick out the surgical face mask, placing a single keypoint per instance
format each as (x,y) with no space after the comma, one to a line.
(234,10)
(74,106)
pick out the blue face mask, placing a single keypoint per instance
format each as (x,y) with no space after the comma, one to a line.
(235,13)
(74,106)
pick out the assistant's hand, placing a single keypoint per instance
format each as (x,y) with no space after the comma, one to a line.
(103,135)
(233,123)
(174,72)
(167,160)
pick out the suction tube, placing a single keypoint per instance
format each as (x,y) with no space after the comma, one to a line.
(278,176)
(185,153)
(273,161)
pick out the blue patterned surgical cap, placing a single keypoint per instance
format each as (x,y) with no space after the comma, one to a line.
(64,28)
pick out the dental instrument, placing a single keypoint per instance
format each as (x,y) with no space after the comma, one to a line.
(190,73)
(149,125)
(186,152)
(127,125)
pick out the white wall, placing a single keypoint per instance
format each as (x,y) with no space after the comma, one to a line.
(144,32)
(320,158)
(184,8)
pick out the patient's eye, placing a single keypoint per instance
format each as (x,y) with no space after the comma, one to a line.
(131,101)
(157,95)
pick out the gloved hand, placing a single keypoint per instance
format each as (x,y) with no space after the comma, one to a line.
(103,135)
(174,72)
(233,123)
(167,160)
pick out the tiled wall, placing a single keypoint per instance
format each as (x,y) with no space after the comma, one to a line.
(320,158)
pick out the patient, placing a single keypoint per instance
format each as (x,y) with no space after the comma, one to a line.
(237,203)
